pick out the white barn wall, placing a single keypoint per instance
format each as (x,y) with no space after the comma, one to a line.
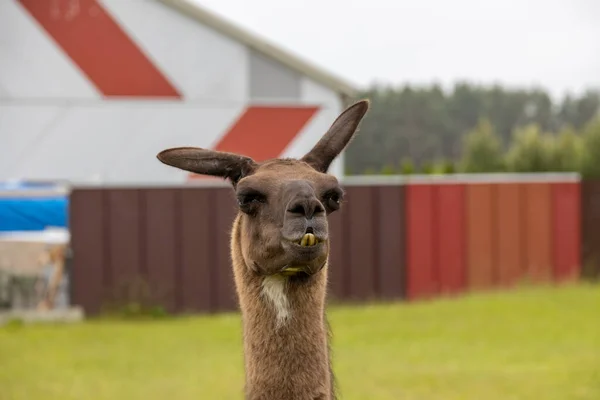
(21,128)
(55,124)
(116,141)
(31,65)
(202,63)
(330,107)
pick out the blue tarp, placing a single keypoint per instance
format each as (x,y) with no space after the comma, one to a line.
(32,213)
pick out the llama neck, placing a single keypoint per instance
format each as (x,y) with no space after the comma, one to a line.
(286,350)
(286,339)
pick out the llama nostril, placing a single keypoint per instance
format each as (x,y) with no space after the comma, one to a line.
(297,209)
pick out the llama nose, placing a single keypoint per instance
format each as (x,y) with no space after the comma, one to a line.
(306,207)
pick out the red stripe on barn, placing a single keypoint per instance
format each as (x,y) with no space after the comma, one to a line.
(100,47)
(264,132)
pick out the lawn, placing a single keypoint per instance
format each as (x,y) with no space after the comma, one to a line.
(531,343)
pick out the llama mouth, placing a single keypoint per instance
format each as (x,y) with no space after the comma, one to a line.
(292,271)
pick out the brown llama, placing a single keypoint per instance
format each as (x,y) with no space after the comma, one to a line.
(280,249)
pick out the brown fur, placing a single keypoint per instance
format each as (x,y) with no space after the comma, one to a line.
(285,330)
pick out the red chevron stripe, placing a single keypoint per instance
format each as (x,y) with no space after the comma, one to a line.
(265,132)
(98,45)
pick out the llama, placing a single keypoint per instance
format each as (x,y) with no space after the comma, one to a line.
(279,250)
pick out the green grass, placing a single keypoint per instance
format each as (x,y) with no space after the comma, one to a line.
(533,343)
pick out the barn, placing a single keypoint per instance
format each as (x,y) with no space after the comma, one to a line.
(91,90)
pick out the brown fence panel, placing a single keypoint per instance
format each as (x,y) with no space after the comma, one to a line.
(390,241)
(124,243)
(450,237)
(225,209)
(163,233)
(421,273)
(338,254)
(87,218)
(537,238)
(196,251)
(510,233)
(590,228)
(362,241)
(481,229)
(567,240)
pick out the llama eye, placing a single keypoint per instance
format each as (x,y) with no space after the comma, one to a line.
(249,201)
(250,198)
(332,200)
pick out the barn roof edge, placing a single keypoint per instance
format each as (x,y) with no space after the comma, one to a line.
(218,23)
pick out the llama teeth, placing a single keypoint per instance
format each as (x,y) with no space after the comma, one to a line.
(308,240)
(304,241)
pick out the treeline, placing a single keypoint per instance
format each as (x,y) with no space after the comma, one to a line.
(530,150)
(475,129)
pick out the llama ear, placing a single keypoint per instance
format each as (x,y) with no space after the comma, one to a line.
(208,162)
(337,137)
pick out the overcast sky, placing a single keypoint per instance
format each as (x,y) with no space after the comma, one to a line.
(552,43)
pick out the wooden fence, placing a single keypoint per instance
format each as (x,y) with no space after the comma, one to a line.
(393,239)
(590,211)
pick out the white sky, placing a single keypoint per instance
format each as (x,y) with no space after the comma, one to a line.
(551,43)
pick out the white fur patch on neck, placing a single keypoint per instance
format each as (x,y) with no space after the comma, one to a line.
(273,288)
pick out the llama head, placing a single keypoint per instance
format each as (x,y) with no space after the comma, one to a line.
(283,203)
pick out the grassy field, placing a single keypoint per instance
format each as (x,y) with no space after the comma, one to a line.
(541,344)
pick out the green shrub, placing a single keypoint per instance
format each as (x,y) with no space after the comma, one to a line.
(388,169)
(445,167)
(407,167)
(135,298)
(590,157)
(567,151)
(482,150)
(427,168)
(530,150)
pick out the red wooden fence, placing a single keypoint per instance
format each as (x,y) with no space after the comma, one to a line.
(479,234)
(393,239)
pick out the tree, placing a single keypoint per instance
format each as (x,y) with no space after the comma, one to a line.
(577,112)
(530,150)
(590,161)
(567,151)
(482,150)
(407,167)
(427,123)
(448,167)
(388,169)
(427,168)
